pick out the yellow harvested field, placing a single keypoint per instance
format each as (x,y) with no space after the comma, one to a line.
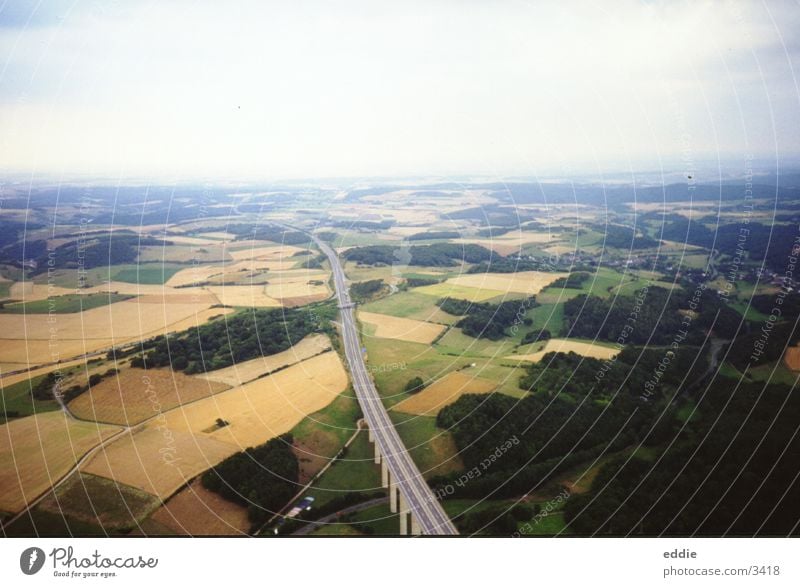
(190,240)
(40,352)
(451,290)
(12,379)
(27,291)
(197,319)
(402,328)
(792,358)
(245,371)
(443,392)
(134,395)
(275,253)
(157,459)
(137,289)
(225,236)
(196,511)
(223,273)
(565,345)
(254,296)
(39,450)
(308,288)
(39,339)
(524,282)
(266,407)
(511,242)
(281,287)
(561,249)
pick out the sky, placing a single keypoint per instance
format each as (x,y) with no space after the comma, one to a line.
(303,89)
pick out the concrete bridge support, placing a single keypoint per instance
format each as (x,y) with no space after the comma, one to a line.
(403,516)
(397,502)
(393,491)
(415,529)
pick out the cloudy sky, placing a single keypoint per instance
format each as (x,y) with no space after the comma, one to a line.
(313,89)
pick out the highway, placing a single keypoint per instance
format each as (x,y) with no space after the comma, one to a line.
(419,498)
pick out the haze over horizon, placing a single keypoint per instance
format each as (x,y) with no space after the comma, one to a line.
(191,89)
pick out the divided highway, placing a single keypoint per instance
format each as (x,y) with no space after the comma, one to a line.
(421,501)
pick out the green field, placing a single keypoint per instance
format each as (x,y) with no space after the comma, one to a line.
(602,283)
(150,274)
(775,372)
(395,362)
(376,521)
(547,317)
(40,523)
(410,304)
(66,304)
(432,449)
(100,502)
(17,400)
(547,525)
(144,273)
(356,471)
(463,292)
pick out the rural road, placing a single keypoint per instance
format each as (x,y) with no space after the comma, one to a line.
(334,518)
(421,501)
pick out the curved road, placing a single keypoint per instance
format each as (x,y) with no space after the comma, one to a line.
(421,501)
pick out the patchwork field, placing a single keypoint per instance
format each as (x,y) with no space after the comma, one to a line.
(266,407)
(524,282)
(245,371)
(461,292)
(157,459)
(28,291)
(99,501)
(36,339)
(281,288)
(133,395)
(566,345)
(38,450)
(238,272)
(443,392)
(253,296)
(510,243)
(195,511)
(274,253)
(402,328)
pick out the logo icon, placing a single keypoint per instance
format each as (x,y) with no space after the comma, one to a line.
(31,560)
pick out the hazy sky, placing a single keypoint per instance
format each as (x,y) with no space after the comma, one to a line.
(305,89)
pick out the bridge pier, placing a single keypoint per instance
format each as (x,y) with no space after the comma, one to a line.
(415,529)
(377,454)
(384,474)
(393,491)
(403,516)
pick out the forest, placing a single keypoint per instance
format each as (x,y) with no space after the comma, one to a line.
(238,338)
(484,320)
(263,478)
(434,255)
(731,472)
